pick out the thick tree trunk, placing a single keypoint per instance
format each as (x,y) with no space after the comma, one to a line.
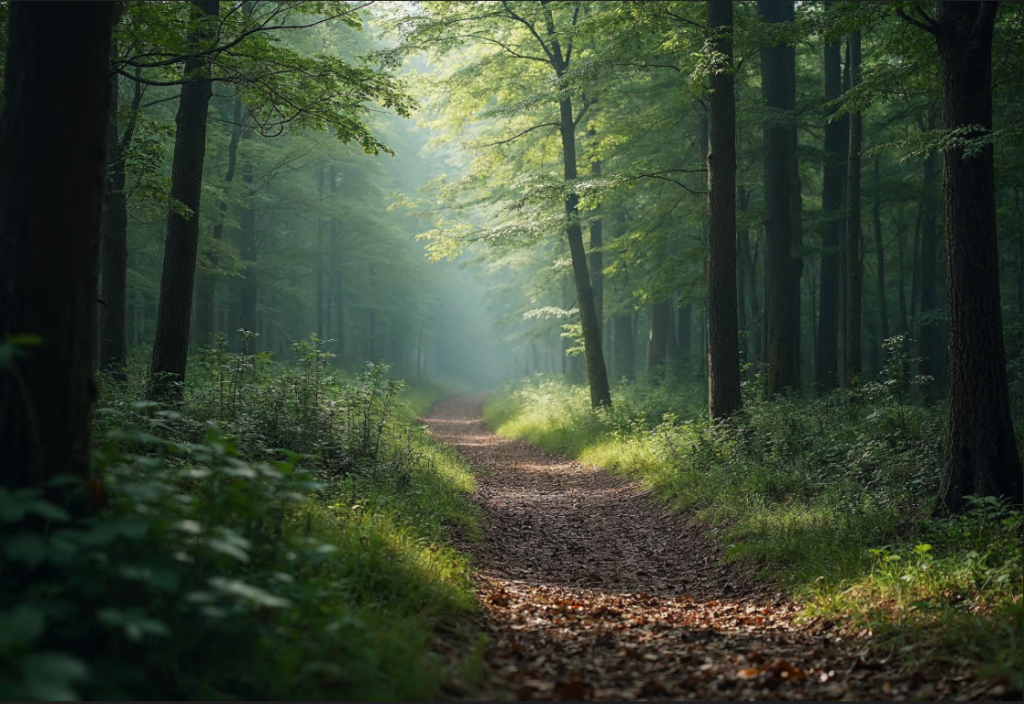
(827,359)
(206,291)
(170,347)
(782,283)
(723,332)
(852,338)
(53,148)
(981,456)
(876,214)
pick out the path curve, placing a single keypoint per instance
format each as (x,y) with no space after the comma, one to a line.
(590,590)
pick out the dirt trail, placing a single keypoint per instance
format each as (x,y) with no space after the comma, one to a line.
(592,591)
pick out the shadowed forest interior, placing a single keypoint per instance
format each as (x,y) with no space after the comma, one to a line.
(511,350)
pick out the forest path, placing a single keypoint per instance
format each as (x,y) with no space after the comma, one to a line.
(590,590)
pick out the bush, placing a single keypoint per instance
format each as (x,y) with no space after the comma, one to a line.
(213,565)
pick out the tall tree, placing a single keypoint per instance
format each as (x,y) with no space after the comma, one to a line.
(852,319)
(929,335)
(52,172)
(723,334)
(981,456)
(876,215)
(248,286)
(170,346)
(206,289)
(826,364)
(782,282)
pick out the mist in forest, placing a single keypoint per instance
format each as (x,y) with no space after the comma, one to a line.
(511,350)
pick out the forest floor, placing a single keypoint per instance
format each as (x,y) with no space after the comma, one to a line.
(591,590)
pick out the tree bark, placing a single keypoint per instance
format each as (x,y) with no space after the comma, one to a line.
(723,332)
(929,335)
(657,339)
(206,291)
(827,359)
(114,248)
(170,347)
(852,338)
(53,148)
(782,282)
(624,340)
(248,285)
(876,213)
(597,374)
(981,456)
(742,269)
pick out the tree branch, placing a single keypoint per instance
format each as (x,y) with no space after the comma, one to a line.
(515,137)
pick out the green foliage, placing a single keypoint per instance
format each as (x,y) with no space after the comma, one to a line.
(832,497)
(214,565)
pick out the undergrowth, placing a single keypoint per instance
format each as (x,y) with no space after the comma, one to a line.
(832,497)
(284,533)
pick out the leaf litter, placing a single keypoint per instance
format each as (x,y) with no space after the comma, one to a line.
(591,590)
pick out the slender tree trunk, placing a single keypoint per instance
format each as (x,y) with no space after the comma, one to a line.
(597,374)
(53,148)
(981,456)
(625,342)
(929,337)
(320,255)
(827,359)
(596,255)
(742,269)
(657,339)
(248,288)
(852,338)
(723,332)
(114,249)
(779,91)
(883,306)
(170,347)
(206,291)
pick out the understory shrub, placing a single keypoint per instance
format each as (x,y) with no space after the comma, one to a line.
(279,535)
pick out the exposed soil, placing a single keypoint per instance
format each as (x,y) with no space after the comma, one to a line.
(591,590)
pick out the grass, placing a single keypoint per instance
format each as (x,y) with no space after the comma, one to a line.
(831,499)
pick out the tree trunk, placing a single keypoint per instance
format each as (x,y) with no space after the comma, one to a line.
(852,338)
(742,269)
(248,285)
(827,359)
(53,148)
(596,255)
(206,292)
(929,337)
(981,456)
(782,283)
(625,342)
(723,333)
(170,347)
(883,306)
(597,375)
(320,255)
(657,339)
(114,249)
